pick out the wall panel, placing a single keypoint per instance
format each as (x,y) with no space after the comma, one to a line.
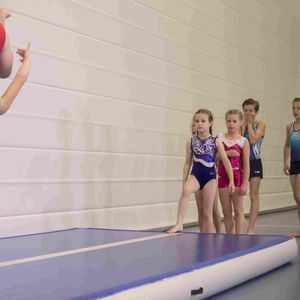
(97,135)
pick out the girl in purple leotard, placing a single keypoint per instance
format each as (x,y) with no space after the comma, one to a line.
(201,151)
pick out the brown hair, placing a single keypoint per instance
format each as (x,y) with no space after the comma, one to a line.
(251,101)
(206,112)
(192,127)
(235,112)
(296,100)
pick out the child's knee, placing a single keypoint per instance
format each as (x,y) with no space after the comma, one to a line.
(216,213)
(254,197)
(186,192)
(239,212)
(227,212)
(207,213)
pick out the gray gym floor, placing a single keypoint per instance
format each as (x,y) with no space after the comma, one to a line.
(280,284)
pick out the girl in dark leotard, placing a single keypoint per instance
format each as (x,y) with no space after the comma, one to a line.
(201,151)
(292,150)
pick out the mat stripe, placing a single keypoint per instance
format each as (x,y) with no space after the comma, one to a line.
(80,250)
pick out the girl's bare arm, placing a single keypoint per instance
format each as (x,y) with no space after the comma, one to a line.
(286,151)
(17,83)
(226,164)
(188,161)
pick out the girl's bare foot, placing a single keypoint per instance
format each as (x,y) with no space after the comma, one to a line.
(176,228)
(295,234)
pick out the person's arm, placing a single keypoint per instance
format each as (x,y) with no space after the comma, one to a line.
(246,168)
(188,162)
(226,164)
(217,158)
(17,83)
(260,131)
(286,151)
(232,153)
(229,153)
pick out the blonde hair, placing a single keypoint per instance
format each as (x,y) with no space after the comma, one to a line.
(206,112)
(235,112)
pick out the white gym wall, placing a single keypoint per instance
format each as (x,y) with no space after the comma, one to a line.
(97,135)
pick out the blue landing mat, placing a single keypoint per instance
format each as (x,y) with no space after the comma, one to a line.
(125,261)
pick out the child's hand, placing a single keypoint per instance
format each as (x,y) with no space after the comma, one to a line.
(25,60)
(24,53)
(243,189)
(231,188)
(250,119)
(286,170)
(232,153)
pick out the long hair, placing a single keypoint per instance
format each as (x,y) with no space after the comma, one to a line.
(206,112)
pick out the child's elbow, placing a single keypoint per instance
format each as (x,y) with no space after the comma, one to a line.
(3,108)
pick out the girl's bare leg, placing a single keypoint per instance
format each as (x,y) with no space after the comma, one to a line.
(198,197)
(238,206)
(208,196)
(225,199)
(190,186)
(295,182)
(216,214)
(254,197)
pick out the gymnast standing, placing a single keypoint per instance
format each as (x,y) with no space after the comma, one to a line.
(237,150)
(201,152)
(6,59)
(199,201)
(292,150)
(254,131)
